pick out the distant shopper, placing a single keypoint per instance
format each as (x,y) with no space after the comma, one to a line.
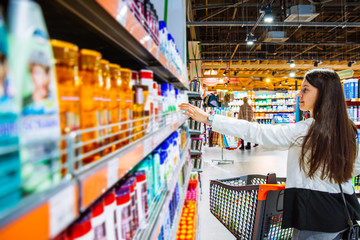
(246,113)
(322,157)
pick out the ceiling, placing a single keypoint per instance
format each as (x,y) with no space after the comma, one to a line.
(312,33)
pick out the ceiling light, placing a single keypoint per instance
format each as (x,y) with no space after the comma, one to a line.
(290,87)
(250,40)
(316,64)
(268,80)
(292,64)
(280,84)
(286,82)
(225,73)
(268,17)
(243,88)
(292,74)
(273,73)
(350,64)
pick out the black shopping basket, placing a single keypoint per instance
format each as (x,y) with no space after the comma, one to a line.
(249,206)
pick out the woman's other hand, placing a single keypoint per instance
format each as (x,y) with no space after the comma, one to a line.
(194,112)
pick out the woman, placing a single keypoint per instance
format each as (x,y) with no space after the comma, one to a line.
(322,154)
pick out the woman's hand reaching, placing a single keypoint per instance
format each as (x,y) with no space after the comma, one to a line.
(194,112)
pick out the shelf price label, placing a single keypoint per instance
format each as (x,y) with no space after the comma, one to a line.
(112,175)
(62,210)
(148,145)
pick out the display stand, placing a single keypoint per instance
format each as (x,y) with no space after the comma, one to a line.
(222,160)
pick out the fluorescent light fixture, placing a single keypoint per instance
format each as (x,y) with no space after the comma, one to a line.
(292,74)
(268,80)
(250,42)
(268,17)
(292,64)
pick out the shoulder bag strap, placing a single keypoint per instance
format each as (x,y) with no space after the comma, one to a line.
(349,221)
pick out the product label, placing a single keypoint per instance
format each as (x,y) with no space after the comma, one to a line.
(112,172)
(124,223)
(134,210)
(99,232)
(139,96)
(62,207)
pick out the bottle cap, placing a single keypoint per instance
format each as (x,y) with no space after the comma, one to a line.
(109,198)
(140,176)
(65,52)
(122,196)
(98,208)
(89,59)
(81,227)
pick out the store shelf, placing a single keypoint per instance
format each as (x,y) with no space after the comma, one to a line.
(195,152)
(194,94)
(152,230)
(274,111)
(353,100)
(57,207)
(96,179)
(263,118)
(42,216)
(194,132)
(109,27)
(277,104)
(256,98)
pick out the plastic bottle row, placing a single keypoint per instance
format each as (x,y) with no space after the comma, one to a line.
(124,208)
(351,88)
(354,113)
(187,228)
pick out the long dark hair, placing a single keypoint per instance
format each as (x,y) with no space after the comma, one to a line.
(330,144)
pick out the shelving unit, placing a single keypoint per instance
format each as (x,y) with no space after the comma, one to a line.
(152,230)
(194,132)
(111,29)
(57,207)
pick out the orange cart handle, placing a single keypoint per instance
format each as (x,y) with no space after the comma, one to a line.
(265,188)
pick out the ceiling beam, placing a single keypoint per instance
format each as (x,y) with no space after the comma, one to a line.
(201,23)
(191,17)
(208,6)
(286,67)
(222,10)
(283,43)
(351,49)
(307,49)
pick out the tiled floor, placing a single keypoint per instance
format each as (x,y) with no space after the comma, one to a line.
(255,161)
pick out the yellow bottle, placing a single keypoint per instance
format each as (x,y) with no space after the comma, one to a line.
(105,118)
(90,100)
(126,104)
(67,78)
(116,93)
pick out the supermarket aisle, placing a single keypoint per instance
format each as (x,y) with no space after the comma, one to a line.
(255,161)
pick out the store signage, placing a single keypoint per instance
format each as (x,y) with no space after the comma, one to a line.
(346,73)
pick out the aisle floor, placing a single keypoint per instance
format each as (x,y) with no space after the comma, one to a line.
(255,161)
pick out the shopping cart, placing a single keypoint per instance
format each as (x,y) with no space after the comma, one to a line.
(251,206)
